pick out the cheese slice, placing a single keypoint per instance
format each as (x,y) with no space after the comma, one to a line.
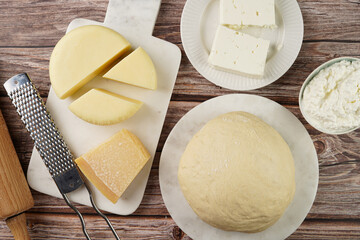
(241,13)
(81,55)
(102,107)
(113,165)
(136,69)
(239,52)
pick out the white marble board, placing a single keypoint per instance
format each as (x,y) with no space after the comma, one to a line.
(290,128)
(135,20)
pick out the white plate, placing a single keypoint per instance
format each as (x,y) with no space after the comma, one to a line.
(294,133)
(199,22)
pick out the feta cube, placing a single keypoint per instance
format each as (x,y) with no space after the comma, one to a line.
(238,14)
(239,52)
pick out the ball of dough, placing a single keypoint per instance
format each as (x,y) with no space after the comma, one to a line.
(237,173)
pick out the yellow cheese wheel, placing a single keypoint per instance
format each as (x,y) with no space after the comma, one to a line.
(101,107)
(136,69)
(81,55)
(113,165)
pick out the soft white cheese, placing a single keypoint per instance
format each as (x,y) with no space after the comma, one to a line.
(239,52)
(331,100)
(240,13)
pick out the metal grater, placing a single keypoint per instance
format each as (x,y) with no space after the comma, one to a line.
(48,141)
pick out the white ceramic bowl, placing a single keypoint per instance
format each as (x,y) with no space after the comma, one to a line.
(307,81)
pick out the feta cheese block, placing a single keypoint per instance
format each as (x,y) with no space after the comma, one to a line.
(113,165)
(102,107)
(240,13)
(239,52)
(81,55)
(136,69)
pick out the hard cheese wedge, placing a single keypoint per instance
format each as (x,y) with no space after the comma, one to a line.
(102,107)
(81,55)
(113,165)
(135,69)
(239,52)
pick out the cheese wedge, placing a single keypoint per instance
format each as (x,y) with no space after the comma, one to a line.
(101,107)
(81,55)
(113,165)
(136,69)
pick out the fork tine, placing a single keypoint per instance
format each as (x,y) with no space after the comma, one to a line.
(101,214)
(79,215)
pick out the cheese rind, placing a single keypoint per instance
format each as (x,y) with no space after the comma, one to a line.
(136,69)
(81,55)
(241,13)
(239,52)
(102,107)
(113,165)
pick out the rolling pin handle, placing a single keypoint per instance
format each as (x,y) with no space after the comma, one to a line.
(18,227)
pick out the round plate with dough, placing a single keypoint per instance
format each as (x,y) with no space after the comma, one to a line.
(282,120)
(199,22)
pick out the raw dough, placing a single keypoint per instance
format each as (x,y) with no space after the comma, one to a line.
(237,173)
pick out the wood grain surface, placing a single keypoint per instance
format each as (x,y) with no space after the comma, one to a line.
(31,28)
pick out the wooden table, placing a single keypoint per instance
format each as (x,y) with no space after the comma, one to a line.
(29,29)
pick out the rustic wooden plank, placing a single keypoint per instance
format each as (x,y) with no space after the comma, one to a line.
(42,23)
(321,230)
(151,205)
(330,230)
(326,20)
(62,226)
(34,61)
(332,28)
(332,149)
(339,169)
(337,197)
(322,21)
(190,85)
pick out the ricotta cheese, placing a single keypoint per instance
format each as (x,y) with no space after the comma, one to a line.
(240,13)
(331,101)
(239,52)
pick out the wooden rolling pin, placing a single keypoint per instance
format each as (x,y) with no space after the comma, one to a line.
(15,195)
